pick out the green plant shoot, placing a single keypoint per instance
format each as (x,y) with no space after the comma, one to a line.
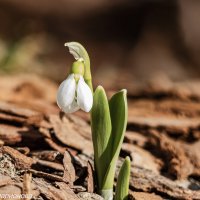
(122,187)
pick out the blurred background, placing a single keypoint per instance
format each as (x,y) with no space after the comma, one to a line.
(129,41)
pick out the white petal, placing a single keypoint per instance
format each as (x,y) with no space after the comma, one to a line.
(73,107)
(84,95)
(66,92)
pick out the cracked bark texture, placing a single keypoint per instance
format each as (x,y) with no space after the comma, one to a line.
(49,154)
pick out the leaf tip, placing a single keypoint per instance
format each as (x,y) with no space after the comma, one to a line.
(124,91)
(127,159)
(67,44)
(100,89)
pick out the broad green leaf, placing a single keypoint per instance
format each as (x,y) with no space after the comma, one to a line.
(80,53)
(118,113)
(101,131)
(122,187)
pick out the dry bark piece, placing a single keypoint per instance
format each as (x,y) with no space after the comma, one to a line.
(147,181)
(78,188)
(5,180)
(27,87)
(136,138)
(1,143)
(22,136)
(185,90)
(10,191)
(45,132)
(89,196)
(27,185)
(142,157)
(58,193)
(55,146)
(47,176)
(21,161)
(7,166)
(144,196)
(69,171)
(192,152)
(90,178)
(66,188)
(9,119)
(23,150)
(10,134)
(49,155)
(70,133)
(16,110)
(174,117)
(52,165)
(177,164)
(38,120)
(57,132)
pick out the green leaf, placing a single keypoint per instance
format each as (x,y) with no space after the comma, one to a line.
(122,187)
(80,53)
(118,113)
(101,132)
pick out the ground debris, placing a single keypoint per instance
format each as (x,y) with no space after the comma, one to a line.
(162,139)
(5,180)
(60,192)
(179,119)
(89,196)
(177,164)
(90,178)
(147,181)
(20,161)
(144,196)
(69,171)
(27,185)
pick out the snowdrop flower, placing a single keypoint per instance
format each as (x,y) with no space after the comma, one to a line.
(74,94)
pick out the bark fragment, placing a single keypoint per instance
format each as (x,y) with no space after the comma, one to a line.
(90,178)
(21,161)
(69,171)
(27,185)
